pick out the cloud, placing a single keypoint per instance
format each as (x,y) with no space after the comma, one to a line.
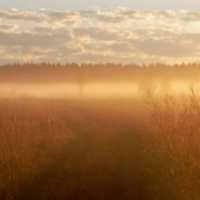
(14,15)
(42,29)
(30,39)
(93,58)
(112,19)
(155,32)
(120,35)
(4,14)
(167,48)
(72,18)
(13,10)
(95,33)
(167,14)
(27,16)
(89,13)
(63,17)
(13,49)
(148,14)
(140,14)
(8,27)
(193,38)
(192,16)
(42,16)
(116,49)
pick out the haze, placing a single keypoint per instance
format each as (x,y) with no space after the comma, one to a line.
(66,90)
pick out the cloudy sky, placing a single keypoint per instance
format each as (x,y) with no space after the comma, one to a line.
(89,31)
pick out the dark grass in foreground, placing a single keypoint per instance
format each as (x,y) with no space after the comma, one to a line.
(100,150)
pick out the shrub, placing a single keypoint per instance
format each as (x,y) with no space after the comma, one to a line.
(174,124)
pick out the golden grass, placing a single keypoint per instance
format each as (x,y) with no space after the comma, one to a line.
(174,125)
(111,149)
(32,134)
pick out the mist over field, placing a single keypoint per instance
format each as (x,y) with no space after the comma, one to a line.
(99,100)
(91,90)
(107,131)
(98,81)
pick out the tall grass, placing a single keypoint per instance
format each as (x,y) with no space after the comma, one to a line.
(95,163)
(107,157)
(32,133)
(174,152)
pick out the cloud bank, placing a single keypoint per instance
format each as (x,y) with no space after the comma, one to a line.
(117,35)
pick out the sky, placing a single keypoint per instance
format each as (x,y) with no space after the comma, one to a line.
(106,31)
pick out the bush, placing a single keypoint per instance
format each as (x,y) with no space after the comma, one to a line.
(174,125)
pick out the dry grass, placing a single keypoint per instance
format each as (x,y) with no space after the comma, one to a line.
(174,125)
(59,149)
(98,150)
(32,134)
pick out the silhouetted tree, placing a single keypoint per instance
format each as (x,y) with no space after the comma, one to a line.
(13,91)
(165,86)
(80,81)
(146,83)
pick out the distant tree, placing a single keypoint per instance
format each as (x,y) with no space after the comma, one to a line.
(165,86)
(146,83)
(195,79)
(80,81)
(13,91)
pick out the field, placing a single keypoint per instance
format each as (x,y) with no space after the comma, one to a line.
(100,149)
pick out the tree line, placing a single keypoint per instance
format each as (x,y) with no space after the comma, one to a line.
(50,72)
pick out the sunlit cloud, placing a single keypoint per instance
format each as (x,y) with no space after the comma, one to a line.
(170,48)
(60,17)
(115,35)
(42,30)
(30,39)
(192,17)
(96,33)
(8,27)
(13,49)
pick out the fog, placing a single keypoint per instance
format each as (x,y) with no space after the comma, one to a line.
(89,90)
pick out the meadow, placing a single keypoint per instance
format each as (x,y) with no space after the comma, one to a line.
(132,148)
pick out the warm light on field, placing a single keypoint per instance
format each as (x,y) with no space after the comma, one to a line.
(99,100)
(71,90)
(90,90)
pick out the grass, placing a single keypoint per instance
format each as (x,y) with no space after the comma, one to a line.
(174,125)
(111,149)
(32,134)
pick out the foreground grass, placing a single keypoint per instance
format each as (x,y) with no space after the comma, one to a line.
(99,150)
(32,134)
